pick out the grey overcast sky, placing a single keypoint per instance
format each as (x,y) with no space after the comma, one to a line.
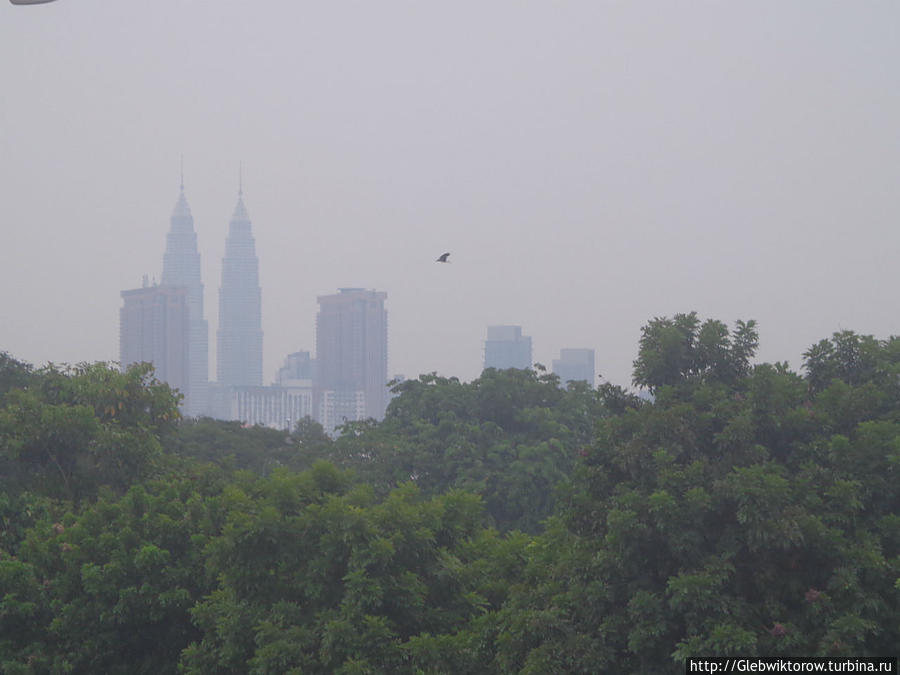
(589,164)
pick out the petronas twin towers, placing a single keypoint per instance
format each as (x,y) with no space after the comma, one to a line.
(181,268)
(239,338)
(164,324)
(155,317)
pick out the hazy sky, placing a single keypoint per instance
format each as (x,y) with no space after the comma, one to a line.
(588,164)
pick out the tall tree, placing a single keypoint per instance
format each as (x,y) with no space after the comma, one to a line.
(727,518)
(681,348)
(76,429)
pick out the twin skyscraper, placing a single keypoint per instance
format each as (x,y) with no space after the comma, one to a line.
(164,324)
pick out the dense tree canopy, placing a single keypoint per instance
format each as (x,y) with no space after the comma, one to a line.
(673,351)
(505,525)
(510,436)
(756,515)
(70,431)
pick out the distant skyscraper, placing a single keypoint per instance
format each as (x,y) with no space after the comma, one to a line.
(506,347)
(575,364)
(282,405)
(298,367)
(181,267)
(240,335)
(153,327)
(351,356)
(339,407)
(276,407)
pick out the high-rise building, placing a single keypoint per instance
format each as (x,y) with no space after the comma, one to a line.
(575,364)
(181,267)
(153,327)
(351,356)
(336,408)
(506,347)
(298,367)
(275,407)
(282,405)
(240,335)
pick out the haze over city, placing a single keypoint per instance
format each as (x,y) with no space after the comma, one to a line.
(589,165)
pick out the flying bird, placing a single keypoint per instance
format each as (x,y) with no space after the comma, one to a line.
(443,258)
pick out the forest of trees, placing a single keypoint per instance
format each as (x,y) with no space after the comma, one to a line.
(506,525)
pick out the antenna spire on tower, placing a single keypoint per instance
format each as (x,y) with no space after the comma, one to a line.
(182,172)
(240,178)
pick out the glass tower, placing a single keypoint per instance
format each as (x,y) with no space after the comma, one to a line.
(240,335)
(181,267)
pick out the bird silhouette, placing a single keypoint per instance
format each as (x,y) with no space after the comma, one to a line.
(443,258)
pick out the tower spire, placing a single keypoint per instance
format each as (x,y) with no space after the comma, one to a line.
(181,267)
(240,335)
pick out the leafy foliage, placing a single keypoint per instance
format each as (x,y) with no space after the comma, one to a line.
(14,374)
(315,575)
(746,510)
(735,515)
(673,350)
(111,588)
(76,429)
(510,436)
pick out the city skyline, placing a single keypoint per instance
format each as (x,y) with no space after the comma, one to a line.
(589,166)
(347,379)
(239,337)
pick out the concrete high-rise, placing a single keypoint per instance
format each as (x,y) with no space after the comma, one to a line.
(240,336)
(351,356)
(575,364)
(153,327)
(181,267)
(282,405)
(506,347)
(298,367)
